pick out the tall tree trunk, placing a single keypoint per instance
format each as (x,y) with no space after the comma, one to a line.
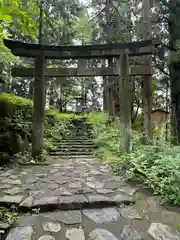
(147,83)
(174,21)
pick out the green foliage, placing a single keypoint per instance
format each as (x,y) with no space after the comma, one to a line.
(16,134)
(158,166)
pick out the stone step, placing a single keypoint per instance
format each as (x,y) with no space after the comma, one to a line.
(72,150)
(80,145)
(73,202)
(78,156)
(87,140)
(77,143)
(70,153)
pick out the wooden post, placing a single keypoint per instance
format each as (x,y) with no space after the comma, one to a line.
(125,89)
(39,107)
(110,89)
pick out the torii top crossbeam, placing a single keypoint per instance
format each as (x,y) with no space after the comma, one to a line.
(21,49)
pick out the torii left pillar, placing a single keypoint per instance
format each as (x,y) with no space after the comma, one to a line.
(39,107)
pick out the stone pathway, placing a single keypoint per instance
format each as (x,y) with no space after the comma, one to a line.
(66,184)
(80,198)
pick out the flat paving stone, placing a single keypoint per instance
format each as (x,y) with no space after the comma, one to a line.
(129,212)
(95,185)
(45,201)
(73,200)
(11,199)
(27,202)
(21,233)
(101,234)
(46,237)
(130,233)
(27,220)
(11,181)
(123,198)
(13,190)
(103,215)
(62,192)
(31,180)
(5,186)
(67,217)
(51,227)
(75,234)
(127,190)
(75,185)
(104,191)
(159,231)
(53,186)
(98,198)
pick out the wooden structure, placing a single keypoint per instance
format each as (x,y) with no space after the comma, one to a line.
(120,51)
(160,119)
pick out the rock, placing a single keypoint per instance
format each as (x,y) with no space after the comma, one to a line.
(129,212)
(31,180)
(101,234)
(13,190)
(28,202)
(67,217)
(95,185)
(55,170)
(41,175)
(56,165)
(96,172)
(104,169)
(21,233)
(61,181)
(75,185)
(75,234)
(46,201)
(87,190)
(123,198)
(102,215)
(104,191)
(14,177)
(53,186)
(159,231)
(4,225)
(51,227)
(11,199)
(62,191)
(46,237)
(5,186)
(10,181)
(130,233)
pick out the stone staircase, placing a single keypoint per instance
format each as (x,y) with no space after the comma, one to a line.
(79,142)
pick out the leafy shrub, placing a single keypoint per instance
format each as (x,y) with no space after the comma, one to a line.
(16,120)
(157,166)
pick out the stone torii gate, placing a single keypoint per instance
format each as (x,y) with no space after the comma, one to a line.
(102,51)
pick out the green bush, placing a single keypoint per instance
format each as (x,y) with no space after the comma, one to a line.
(16,126)
(157,166)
